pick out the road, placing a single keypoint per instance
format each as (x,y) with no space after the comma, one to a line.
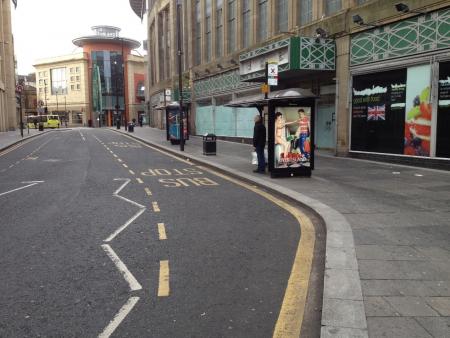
(101,235)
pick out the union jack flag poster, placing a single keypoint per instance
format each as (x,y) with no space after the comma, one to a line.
(376,113)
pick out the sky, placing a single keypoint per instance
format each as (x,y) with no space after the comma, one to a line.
(46,28)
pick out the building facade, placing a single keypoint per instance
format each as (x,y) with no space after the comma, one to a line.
(62,87)
(113,76)
(335,48)
(8,114)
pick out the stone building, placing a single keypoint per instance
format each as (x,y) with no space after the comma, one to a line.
(380,68)
(62,87)
(8,115)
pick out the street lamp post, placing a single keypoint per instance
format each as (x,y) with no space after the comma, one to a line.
(117,96)
(180,76)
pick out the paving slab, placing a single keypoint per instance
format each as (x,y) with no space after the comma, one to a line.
(411,306)
(438,327)
(396,327)
(440,304)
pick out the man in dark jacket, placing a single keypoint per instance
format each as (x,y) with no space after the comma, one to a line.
(259,142)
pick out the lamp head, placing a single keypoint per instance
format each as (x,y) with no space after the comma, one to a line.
(357,19)
(401,7)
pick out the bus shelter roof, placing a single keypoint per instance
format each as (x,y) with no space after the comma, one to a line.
(258,101)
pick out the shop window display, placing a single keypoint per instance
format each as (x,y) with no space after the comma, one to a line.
(378,112)
(443,115)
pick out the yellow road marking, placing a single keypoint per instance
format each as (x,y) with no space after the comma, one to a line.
(159,150)
(139,180)
(163,289)
(155,207)
(147,190)
(131,172)
(162,231)
(290,319)
(125,165)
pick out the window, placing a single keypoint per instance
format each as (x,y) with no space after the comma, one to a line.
(77,69)
(282,15)
(71,70)
(246,23)
(219,28)
(262,20)
(78,86)
(208,28)
(360,2)
(198,33)
(78,78)
(58,81)
(41,82)
(231,26)
(305,11)
(332,6)
(72,78)
(378,112)
(72,87)
(443,112)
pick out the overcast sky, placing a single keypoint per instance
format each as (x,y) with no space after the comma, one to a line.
(46,28)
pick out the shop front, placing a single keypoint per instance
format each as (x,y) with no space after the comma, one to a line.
(403,110)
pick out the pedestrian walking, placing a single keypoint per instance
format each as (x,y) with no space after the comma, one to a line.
(259,142)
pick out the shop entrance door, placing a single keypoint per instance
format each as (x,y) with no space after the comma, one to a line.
(325,127)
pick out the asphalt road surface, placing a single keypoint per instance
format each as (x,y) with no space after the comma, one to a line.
(103,236)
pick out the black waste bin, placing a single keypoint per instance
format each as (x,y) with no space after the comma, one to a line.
(209,144)
(41,126)
(130,127)
(118,124)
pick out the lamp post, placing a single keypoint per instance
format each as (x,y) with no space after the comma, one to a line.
(180,85)
(117,96)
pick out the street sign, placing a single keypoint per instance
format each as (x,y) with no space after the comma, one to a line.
(272,74)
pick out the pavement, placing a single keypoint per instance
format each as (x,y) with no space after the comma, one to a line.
(387,271)
(10,138)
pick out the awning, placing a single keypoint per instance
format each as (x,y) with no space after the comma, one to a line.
(257,101)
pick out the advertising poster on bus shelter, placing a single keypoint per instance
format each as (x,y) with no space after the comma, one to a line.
(173,125)
(291,139)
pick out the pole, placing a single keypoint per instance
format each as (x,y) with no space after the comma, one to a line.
(123,88)
(21,119)
(117,99)
(180,75)
(45,93)
(57,106)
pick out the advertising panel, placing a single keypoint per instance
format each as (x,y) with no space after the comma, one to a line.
(291,138)
(173,124)
(443,114)
(418,111)
(378,112)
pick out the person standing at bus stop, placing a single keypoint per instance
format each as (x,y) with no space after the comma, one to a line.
(259,142)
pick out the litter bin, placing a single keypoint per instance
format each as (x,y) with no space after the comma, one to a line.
(209,144)
(130,127)
(41,126)
(118,124)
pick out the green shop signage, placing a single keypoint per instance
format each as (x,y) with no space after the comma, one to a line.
(294,53)
(425,33)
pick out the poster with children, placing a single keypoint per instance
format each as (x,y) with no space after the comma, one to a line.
(292,137)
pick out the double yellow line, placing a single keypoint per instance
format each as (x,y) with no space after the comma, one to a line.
(290,319)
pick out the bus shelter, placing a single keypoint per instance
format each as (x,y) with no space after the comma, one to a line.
(290,129)
(173,118)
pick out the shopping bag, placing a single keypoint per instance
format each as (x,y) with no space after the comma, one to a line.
(254,158)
